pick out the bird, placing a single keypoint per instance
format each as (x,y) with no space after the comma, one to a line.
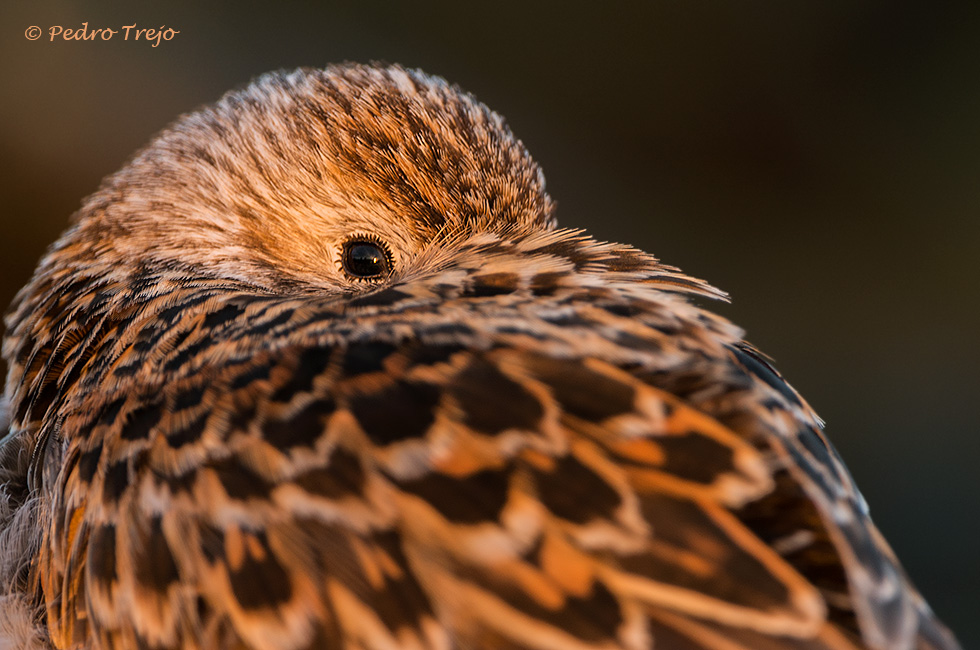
(318,369)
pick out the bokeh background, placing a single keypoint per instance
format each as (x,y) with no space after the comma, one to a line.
(818,160)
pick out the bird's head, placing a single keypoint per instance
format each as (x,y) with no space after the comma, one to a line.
(316,180)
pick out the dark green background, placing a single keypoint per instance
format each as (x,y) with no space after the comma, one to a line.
(818,160)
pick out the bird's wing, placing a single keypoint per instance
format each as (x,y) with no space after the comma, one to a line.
(865,580)
(383,490)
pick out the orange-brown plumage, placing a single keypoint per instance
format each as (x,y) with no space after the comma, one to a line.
(317,369)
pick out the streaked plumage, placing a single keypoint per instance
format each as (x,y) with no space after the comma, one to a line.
(519,438)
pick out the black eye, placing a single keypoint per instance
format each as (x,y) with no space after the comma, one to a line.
(366,259)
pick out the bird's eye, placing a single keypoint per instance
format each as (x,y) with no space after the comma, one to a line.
(366,260)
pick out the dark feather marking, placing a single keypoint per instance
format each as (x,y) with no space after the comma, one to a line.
(695,457)
(819,477)
(583,392)
(242,418)
(471,499)
(492,402)
(111,411)
(523,330)
(666,636)
(263,328)
(139,422)
(570,250)
(595,617)
(255,373)
(226,314)
(127,370)
(107,331)
(621,310)
(627,260)
(101,556)
(450,329)
(116,480)
(88,463)
(153,561)
(764,371)
(212,543)
(822,450)
(433,354)
(187,353)
(189,398)
(344,476)
(304,428)
(384,298)
(170,315)
(188,432)
(401,411)
(239,481)
(638,342)
(260,582)
(405,593)
(182,483)
(312,363)
(570,319)
(366,357)
(493,284)
(545,284)
(575,492)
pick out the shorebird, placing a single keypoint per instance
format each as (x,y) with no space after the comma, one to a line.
(318,369)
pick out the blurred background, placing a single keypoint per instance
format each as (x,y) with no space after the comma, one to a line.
(820,161)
